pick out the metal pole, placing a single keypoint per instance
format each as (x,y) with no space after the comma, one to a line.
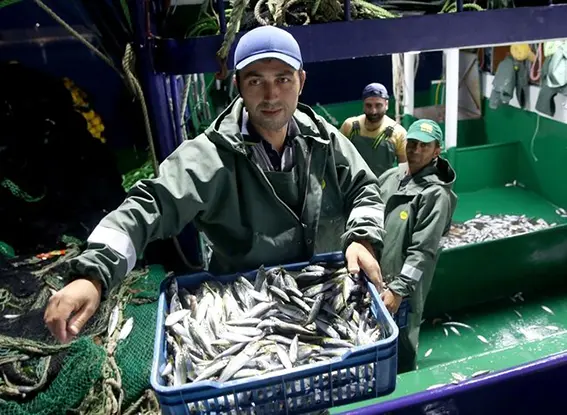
(176,104)
(409,82)
(452,97)
(152,85)
(222,16)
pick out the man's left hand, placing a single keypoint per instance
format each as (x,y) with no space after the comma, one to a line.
(360,255)
(391,300)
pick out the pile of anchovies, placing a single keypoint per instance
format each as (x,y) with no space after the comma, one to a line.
(278,321)
(490,227)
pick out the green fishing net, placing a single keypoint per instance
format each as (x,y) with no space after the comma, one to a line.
(42,377)
(134,356)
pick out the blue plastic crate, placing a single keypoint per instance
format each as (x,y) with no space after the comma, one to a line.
(362,373)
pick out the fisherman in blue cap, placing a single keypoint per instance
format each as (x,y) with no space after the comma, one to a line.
(269,182)
(378,138)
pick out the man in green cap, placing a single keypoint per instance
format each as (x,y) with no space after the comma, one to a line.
(419,207)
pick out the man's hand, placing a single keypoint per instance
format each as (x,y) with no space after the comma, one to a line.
(69,309)
(391,300)
(360,255)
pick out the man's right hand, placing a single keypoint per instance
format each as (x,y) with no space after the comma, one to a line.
(69,309)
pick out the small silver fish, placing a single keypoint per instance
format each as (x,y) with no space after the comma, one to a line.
(293,349)
(480,373)
(167,370)
(245,331)
(113,320)
(483,339)
(235,337)
(445,331)
(284,358)
(553,328)
(454,330)
(279,292)
(237,362)
(212,370)
(315,309)
(547,309)
(252,322)
(175,317)
(126,329)
(456,323)
(459,377)
(428,353)
(518,313)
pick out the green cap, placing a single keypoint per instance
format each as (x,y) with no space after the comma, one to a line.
(426,131)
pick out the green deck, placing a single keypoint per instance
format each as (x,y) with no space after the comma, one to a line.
(513,341)
(509,200)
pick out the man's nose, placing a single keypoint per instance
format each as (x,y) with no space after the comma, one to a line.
(270,92)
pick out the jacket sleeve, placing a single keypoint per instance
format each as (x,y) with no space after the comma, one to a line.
(362,202)
(433,214)
(190,181)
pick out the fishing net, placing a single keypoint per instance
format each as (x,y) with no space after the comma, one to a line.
(96,374)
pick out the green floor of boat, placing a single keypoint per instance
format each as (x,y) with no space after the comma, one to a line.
(517,332)
(513,339)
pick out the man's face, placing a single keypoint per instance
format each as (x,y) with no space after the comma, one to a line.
(375,108)
(420,154)
(270,89)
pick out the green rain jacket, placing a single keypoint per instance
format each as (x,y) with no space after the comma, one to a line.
(212,181)
(416,217)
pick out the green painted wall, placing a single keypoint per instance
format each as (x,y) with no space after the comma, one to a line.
(541,173)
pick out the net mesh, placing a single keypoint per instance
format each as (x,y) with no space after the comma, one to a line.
(134,356)
(93,375)
(81,369)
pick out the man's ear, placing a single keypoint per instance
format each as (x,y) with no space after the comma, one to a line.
(437,151)
(235,81)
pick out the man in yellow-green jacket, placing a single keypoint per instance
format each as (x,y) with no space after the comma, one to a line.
(378,138)
(420,204)
(269,182)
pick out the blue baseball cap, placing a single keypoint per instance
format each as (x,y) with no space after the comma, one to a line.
(375,90)
(267,42)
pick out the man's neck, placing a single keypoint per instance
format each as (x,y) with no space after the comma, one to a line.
(275,138)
